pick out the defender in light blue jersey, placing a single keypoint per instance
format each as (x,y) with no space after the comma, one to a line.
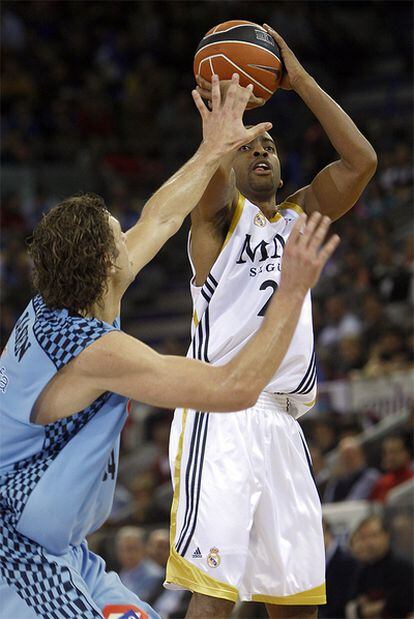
(68,370)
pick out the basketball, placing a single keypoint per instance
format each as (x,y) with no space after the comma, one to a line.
(241,47)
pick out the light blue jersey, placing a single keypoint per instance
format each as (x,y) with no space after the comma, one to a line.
(57,481)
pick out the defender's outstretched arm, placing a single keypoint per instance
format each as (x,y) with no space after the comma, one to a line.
(164,213)
(120,364)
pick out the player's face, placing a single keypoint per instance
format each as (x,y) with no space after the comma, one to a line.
(123,271)
(257,167)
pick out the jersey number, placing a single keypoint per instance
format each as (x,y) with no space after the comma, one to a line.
(269,283)
(110,470)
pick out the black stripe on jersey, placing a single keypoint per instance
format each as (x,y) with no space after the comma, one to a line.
(209,287)
(198,486)
(205,295)
(197,446)
(207,330)
(190,474)
(200,339)
(309,385)
(307,373)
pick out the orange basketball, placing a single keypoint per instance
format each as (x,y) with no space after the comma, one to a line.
(241,47)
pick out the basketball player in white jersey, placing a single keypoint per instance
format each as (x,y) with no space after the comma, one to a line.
(246,518)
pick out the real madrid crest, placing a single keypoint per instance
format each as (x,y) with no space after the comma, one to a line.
(213,558)
(260,220)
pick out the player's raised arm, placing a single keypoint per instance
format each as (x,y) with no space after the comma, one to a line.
(121,364)
(338,186)
(223,132)
(221,191)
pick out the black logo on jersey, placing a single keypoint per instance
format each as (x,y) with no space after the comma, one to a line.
(21,342)
(264,249)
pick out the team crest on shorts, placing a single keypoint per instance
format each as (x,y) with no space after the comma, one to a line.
(213,558)
(260,220)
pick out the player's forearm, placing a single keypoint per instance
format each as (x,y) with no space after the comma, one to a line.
(344,135)
(234,386)
(180,194)
(257,362)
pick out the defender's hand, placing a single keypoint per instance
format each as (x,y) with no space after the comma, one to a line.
(223,129)
(204,88)
(306,253)
(295,72)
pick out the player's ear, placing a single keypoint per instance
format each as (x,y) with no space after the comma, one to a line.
(280,184)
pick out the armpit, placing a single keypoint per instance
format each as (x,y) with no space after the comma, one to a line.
(222,220)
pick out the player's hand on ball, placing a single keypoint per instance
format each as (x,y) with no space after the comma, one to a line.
(306,253)
(223,129)
(204,87)
(294,71)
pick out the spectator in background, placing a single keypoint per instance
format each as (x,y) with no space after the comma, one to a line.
(396,463)
(374,318)
(323,434)
(351,356)
(168,603)
(389,354)
(320,471)
(340,571)
(352,480)
(158,548)
(383,584)
(402,531)
(340,323)
(140,575)
(160,435)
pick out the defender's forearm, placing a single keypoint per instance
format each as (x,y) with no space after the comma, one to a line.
(344,135)
(179,195)
(257,362)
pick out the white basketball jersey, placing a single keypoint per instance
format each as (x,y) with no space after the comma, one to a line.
(229,307)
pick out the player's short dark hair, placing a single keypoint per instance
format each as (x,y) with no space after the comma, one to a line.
(72,248)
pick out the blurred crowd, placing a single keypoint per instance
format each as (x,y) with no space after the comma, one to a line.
(104,87)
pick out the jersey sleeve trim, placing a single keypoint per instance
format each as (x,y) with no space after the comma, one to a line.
(291,206)
(235,219)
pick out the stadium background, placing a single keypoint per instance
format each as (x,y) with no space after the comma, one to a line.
(96,96)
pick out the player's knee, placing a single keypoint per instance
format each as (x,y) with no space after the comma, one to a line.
(207,607)
(292,612)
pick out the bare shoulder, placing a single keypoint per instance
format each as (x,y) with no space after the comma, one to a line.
(299,197)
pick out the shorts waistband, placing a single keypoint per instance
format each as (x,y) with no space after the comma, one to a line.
(267,400)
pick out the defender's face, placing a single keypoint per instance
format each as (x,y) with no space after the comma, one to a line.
(123,271)
(257,166)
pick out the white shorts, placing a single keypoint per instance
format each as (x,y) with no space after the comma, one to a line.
(246,516)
